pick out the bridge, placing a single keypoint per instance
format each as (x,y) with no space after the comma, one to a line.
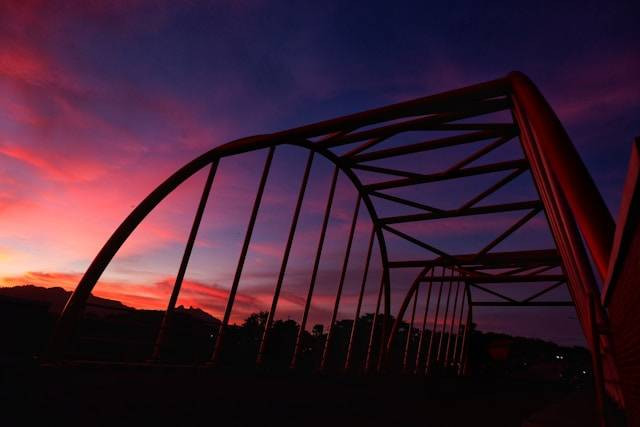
(424,330)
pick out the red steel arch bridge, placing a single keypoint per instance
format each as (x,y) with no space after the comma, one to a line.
(380,153)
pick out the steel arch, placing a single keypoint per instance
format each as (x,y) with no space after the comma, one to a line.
(567,195)
(79,297)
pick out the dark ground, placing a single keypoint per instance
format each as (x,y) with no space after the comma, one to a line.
(108,395)
(514,381)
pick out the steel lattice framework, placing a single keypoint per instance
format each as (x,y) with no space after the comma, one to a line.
(355,144)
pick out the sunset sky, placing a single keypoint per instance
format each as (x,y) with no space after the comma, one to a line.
(100,101)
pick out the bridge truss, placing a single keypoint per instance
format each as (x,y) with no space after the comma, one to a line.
(382,154)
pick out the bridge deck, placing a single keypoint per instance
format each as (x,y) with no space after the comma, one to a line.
(123,395)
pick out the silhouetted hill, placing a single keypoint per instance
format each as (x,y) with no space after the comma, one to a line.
(56,298)
(197,314)
(113,331)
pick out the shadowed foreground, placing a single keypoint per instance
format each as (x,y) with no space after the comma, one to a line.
(115,395)
(468,128)
(510,109)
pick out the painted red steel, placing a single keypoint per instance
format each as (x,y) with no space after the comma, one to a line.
(622,290)
(571,202)
(562,159)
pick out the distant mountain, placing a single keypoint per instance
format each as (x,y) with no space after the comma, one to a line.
(197,314)
(57,297)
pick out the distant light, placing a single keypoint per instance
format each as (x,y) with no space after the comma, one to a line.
(584,372)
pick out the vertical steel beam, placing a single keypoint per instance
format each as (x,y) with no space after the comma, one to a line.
(464,349)
(598,372)
(453,321)
(405,359)
(343,274)
(444,320)
(285,260)
(243,254)
(427,365)
(387,317)
(462,363)
(314,274)
(424,324)
(404,306)
(166,318)
(347,363)
(427,105)
(455,344)
(367,363)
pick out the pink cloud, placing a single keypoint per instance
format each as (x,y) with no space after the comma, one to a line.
(82,171)
(40,278)
(596,86)
(84,184)
(155,295)
(22,64)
